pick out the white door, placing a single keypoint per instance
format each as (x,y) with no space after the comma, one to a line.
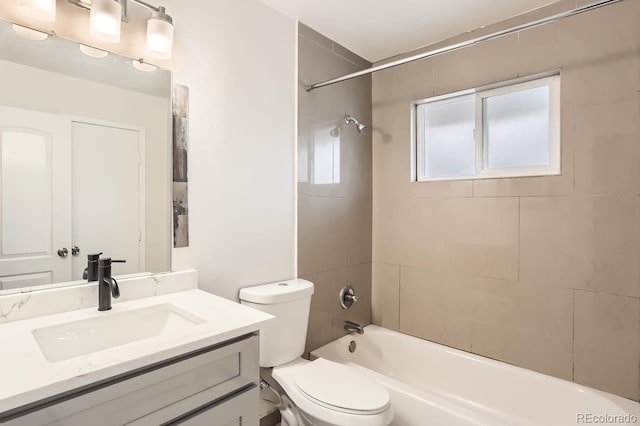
(108,195)
(35,201)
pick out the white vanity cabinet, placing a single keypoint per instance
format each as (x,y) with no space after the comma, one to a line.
(215,385)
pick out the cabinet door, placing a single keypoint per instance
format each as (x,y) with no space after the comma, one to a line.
(35,200)
(239,410)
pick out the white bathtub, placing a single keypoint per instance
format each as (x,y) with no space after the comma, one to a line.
(432,384)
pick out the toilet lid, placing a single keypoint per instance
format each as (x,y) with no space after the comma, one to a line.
(341,387)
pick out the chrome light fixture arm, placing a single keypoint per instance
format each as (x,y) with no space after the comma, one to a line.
(86,4)
(159,24)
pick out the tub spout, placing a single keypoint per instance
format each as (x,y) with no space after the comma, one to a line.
(352,327)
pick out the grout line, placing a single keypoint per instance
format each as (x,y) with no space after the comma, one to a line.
(296,192)
(573,336)
(399,293)
(519,238)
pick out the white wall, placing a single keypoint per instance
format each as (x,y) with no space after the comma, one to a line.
(238,59)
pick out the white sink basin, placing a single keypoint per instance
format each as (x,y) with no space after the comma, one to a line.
(73,339)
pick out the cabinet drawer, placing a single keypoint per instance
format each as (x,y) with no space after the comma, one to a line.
(240,408)
(218,370)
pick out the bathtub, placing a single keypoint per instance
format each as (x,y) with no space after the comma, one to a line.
(432,384)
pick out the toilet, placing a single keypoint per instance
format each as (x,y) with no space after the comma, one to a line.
(319,392)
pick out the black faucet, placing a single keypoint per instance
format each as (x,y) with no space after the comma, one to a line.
(107,285)
(91,271)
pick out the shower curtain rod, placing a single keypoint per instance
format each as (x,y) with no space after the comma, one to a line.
(463,44)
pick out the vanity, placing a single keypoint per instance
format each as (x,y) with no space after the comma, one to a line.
(181,356)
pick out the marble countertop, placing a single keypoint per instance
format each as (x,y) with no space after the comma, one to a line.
(26,376)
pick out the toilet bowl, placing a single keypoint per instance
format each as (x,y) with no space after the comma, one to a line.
(319,392)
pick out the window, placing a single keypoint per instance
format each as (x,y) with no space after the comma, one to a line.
(508,130)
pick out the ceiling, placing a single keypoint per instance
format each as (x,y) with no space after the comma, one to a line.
(378,29)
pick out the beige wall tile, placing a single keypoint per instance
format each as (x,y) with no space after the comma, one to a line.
(359,232)
(474,66)
(385,297)
(323,304)
(441,189)
(553,241)
(403,231)
(581,242)
(580,40)
(604,79)
(615,245)
(411,81)
(435,305)
(608,149)
(477,236)
(525,325)
(322,225)
(607,343)
(316,63)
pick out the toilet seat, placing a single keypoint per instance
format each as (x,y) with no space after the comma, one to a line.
(341,388)
(329,414)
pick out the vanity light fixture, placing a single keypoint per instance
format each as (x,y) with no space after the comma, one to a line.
(93,52)
(141,65)
(29,33)
(105,20)
(40,10)
(106,17)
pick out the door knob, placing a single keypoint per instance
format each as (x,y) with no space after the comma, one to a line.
(75,250)
(63,252)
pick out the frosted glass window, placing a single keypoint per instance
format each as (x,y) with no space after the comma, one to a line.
(326,156)
(517,128)
(449,145)
(510,129)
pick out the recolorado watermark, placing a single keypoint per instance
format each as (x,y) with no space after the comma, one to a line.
(606,419)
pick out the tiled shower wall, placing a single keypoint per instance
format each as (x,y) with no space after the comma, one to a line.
(539,272)
(334,219)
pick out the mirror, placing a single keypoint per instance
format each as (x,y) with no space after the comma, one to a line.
(85,162)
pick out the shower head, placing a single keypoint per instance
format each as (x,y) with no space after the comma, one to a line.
(361,127)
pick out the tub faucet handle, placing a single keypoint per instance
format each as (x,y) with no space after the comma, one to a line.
(347,297)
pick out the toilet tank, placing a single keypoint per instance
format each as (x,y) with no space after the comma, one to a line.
(281,340)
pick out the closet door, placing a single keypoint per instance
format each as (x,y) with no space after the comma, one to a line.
(108,194)
(35,198)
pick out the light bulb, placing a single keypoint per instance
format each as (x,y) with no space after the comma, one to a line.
(29,33)
(105,20)
(41,10)
(160,35)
